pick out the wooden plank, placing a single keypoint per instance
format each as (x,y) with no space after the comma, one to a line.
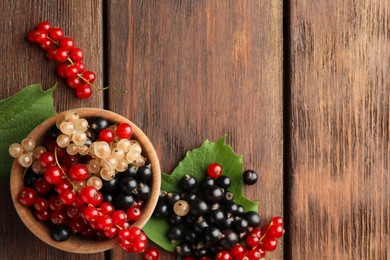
(23,64)
(195,70)
(340,129)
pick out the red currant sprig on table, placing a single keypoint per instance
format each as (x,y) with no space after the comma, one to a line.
(62,49)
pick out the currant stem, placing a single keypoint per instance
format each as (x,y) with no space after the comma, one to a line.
(66,176)
(265,234)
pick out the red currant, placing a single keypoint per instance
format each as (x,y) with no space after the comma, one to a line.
(76,55)
(27,196)
(277,221)
(61,70)
(139,246)
(67,197)
(223,255)
(46,159)
(104,222)
(51,54)
(124,130)
(253,254)
(43,26)
(89,76)
(76,225)
(40,37)
(41,204)
(90,213)
(42,216)
(73,82)
(78,172)
(42,186)
(269,244)
(275,231)
(124,235)
(252,240)
(67,43)
(46,45)
(126,245)
(61,55)
(133,213)
(111,232)
(72,212)
(80,66)
(214,170)
(55,203)
(237,250)
(30,36)
(90,195)
(71,71)
(58,218)
(119,218)
(53,175)
(106,135)
(106,208)
(64,184)
(83,91)
(151,253)
(56,34)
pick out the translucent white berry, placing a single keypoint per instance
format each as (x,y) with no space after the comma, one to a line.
(95,181)
(81,124)
(122,165)
(67,128)
(79,138)
(102,149)
(63,140)
(107,174)
(71,116)
(38,151)
(28,144)
(93,166)
(25,159)
(15,150)
(72,149)
(124,145)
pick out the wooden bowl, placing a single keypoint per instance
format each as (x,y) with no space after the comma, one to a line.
(77,244)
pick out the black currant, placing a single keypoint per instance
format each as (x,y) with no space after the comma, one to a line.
(130,171)
(187,182)
(60,233)
(253,218)
(223,182)
(96,124)
(226,223)
(230,238)
(231,208)
(110,186)
(128,185)
(124,201)
(213,235)
(200,226)
(206,182)
(174,219)
(240,225)
(143,192)
(200,252)
(144,173)
(54,132)
(188,196)
(161,210)
(184,249)
(216,217)
(30,177)
(190,236)
(198,207)
(172,197)
(213,193)
(107,197)
(249,177)
(175,233)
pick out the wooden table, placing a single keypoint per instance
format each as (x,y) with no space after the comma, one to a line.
(301,88)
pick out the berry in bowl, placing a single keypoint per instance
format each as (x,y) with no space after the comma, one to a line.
(84,177)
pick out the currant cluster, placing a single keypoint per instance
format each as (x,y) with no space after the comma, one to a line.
(62,49)
(204,219)
(88,178)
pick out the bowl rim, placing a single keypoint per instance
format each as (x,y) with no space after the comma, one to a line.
(76,244)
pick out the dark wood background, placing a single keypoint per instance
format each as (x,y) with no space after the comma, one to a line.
(301,88)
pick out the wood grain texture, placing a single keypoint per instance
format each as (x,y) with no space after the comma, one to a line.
(23,64)
(340,87)
(195,70)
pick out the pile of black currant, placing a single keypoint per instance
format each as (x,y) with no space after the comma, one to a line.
(204,220)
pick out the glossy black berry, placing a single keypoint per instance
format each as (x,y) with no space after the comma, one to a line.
(143,192)
(96,124)
(213,193)
(175,233)
(216,217)
(190,236)
(131,171)
(187,183)
(107,197)
(253,218)
(206,182)
(124,201)
(230,238)
(144,174)
(172,197)
(224,182)
(213,235)
(201,226)
(232,208)
(199,253)
(161,210)
(30,177)
(240,225)
(249,177)
(174,219)
(184,249)
(188,196)
(226,223)
(60,233)
(198,207)
(54,132)
(110,186)
(128,185)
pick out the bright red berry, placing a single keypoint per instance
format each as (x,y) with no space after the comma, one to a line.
(83,91)
(53,175)
(58,217)
(237,250)
(61,70)
(41,186)
(56,34)
(119,218)
(223,255)
(61,55)
(214,170)
(67,43)
(111,232)
(76,55)
(73,82)
(277,221)
(80,66)
(46,159)
(126,245)
(133,213)
(40,37)
(151,253)
(41,204)
(269,244)
(275,231)
(42,216)
(27,196)
(30,36)
(252,240)
(64,184)
(106,135)
(78,172)
(90,195)
(46,45)
(43,26)
(104,222)
(55,203)
(71,71)
(76,225)
(124,130)
(67,197)
(253,254)
(90,213)
(72,212)
(139,246)
(89,77)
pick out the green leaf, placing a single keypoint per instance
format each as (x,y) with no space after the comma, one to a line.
(19,115)
(196,163)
